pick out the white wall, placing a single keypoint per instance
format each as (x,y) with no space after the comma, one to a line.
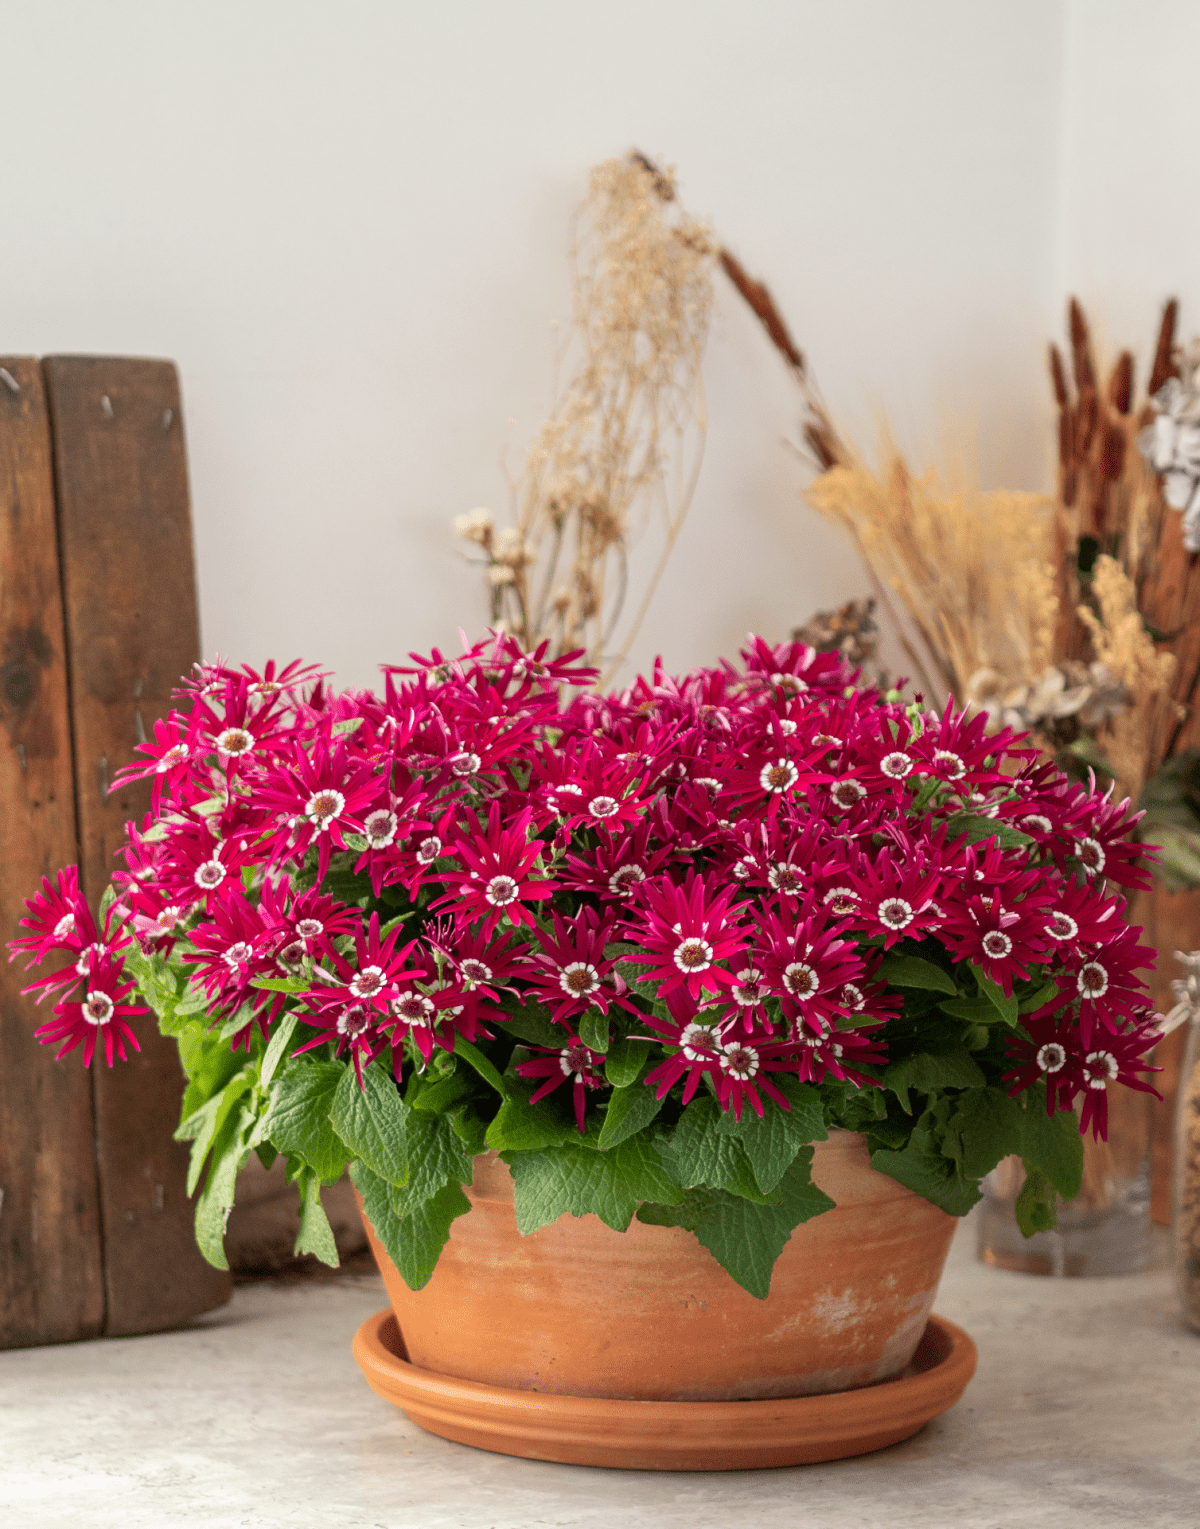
(347,222)
(1129,232)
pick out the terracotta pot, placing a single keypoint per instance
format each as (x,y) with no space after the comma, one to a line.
(578,1309)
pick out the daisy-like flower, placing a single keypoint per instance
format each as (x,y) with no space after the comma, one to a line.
(568,971)
(895,899)
(96,1015)
(1002,941)
(497,880)
(685,933)
(373,979)
(169,761)
(800,950)
(576,1063)
(58,918)
(321,797)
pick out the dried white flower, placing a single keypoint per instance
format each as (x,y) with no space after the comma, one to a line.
(475,526)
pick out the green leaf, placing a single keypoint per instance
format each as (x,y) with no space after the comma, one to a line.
(912,971)
(523,1127)
(926,1071)
(1008,1007)
(974,1009)
(413,1242)
(990,1125)
(1039,997)
(575,1181)
(1036,1207)
(316,1234)
(350,725)
(372,1121)
(922,1166)
(280,984)
(532,1023)
(772,1142)
(743,1237)
(977,828)
(479,1062)
(630,1110)
(698,1152)
(203,1127)
(216,1199)
(593,1030)
(437,1097)
(276,1046)
(624,1062)
(470,1130)
(436,1157)
(1052,1143)
(298,1120)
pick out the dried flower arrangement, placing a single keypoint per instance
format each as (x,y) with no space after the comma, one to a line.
(624,441)
(649,947)
(1075,617)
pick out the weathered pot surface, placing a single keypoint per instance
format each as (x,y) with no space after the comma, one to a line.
(578,1309)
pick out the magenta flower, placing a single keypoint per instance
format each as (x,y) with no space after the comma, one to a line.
(576,1062)
(684,933)
(569,973)
(497,881)
(320,798)
(96,1015)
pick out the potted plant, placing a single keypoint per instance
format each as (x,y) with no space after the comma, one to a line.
(676,962)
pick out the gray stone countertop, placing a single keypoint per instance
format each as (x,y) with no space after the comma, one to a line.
(1084,1412)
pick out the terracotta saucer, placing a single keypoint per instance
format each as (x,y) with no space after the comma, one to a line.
(671,1436)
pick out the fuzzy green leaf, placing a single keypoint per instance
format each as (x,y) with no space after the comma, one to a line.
(912,971)
(743,1237)
(977,828)
(436,1156)
(216,1199)
(284,1027)
(624,1062)
(532,1023)
(203,1127)
(479,1062)
(926,1071)
(772,1142)
(372,1121)
(698,1152)
(298,1119)
(923,1167)
(1052,1143)
(414,1241)
(593,1030)
(1007,1006)
(523,1127)
(1037,1205)
(316,1234)
(1039,998)
(630,1110)
(990,1125)
(572,1180)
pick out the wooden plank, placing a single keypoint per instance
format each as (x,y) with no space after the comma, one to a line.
(51,1279)
(132,631)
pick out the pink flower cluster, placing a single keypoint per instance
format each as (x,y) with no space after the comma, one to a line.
(720,864)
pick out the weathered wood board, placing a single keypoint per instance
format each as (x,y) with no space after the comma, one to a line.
(51,1270)
(129,602)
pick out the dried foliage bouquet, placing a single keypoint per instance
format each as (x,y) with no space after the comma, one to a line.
(649,947)
(624,442)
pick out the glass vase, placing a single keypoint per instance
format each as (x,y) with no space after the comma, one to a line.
(1187,1179)
(1106,1228)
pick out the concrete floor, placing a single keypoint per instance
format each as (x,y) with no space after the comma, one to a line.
(1085,1412)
